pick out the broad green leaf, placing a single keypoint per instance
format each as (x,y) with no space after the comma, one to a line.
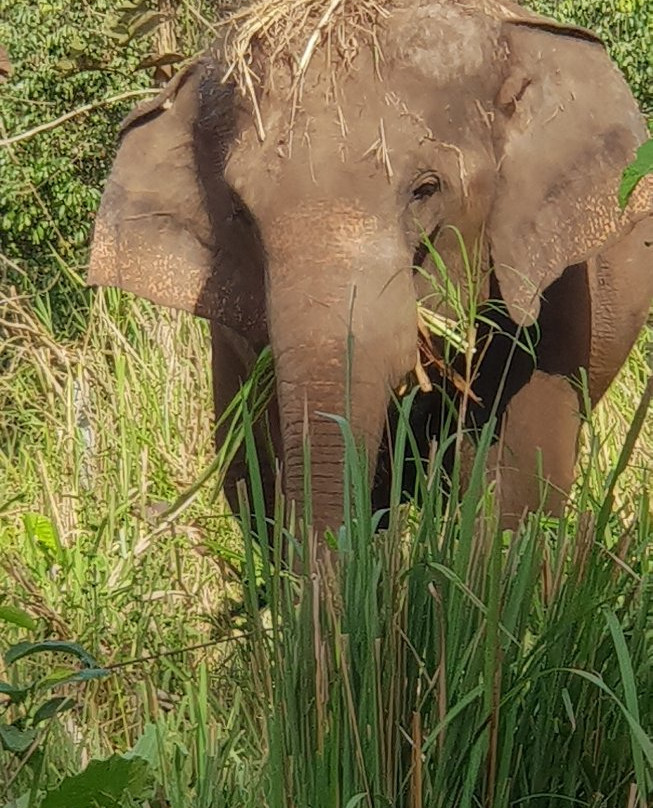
(103,784)
(147,746)
(635,172)
(16,740)
(12,614)
(55,677)
(88,674)
(23,649)
(16,694)
(64,676)
(51,707)
(42,530)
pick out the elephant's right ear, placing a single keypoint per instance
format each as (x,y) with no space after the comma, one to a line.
(165,229)
(152,232)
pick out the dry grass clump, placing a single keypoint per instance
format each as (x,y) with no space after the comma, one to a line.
(293,29)
(288,32)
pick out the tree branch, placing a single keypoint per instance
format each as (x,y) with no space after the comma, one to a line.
(45,127)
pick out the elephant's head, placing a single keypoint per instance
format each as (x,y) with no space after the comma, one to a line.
(295,211)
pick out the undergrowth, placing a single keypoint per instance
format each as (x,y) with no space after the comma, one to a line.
(453,665)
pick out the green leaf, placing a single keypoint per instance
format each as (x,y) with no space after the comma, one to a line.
(145,23)
(12,614)
(638,734)
(63,676)
(147,746)
(636,171)
(16,694)
(89,674)
(19,802)
(51,707)
(130,12)
(357,799)
(16,740)
(630,692)
(5,505)
(42,530)
(23,649)
(103,784)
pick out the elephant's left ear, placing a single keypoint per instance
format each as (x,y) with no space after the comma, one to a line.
(566,126)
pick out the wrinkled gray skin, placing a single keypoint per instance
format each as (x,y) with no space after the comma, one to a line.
(485,117)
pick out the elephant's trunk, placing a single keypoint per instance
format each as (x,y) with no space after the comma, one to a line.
(340,301)
(306,402)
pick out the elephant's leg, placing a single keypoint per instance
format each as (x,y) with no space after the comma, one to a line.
(430,419)
(621,290)
(533,462)
(232,362)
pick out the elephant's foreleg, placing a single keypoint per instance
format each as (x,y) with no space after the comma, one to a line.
(232,362)
(533,461)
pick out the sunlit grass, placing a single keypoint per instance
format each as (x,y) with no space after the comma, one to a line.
(449,666)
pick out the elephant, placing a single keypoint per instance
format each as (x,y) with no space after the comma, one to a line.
(5,65)
(291,208)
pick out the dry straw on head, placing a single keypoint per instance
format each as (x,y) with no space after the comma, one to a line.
(288,32)
(293,29)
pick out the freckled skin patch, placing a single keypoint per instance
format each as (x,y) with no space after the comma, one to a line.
(347,224)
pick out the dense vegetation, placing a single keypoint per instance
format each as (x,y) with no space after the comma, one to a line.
(519,674)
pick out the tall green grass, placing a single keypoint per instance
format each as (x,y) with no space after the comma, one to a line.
(448,664)
(455,665)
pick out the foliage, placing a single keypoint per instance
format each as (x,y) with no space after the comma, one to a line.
(25,700)
(62,58)
(427,617)
(454,665)
(636,171)
(66,56)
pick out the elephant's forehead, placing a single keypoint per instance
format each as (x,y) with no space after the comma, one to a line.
(370,132)
(363,150)
(368,127)
(445,42)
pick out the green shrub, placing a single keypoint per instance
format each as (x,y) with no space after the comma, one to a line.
(63,57)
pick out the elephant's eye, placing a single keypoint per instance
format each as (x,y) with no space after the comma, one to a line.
(426,186)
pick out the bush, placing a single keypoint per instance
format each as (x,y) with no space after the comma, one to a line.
(62,58)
